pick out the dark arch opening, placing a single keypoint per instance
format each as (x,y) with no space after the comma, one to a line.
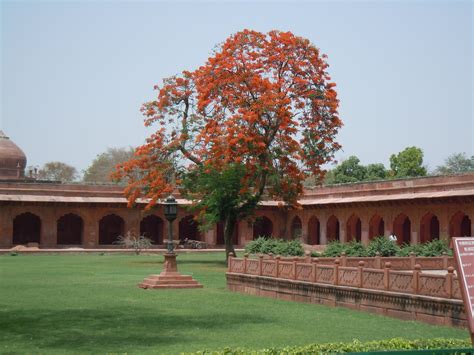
(189,228)
(152,227)
(69,229)
(402,229)
(262,227)
(296,228)
(376,227)
(220,234)
(26,228)
(429,228)
(332,229)
(110,227)
(354,229)
(313,231)
(460,225)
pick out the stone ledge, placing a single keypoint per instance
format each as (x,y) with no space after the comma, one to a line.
(433,310)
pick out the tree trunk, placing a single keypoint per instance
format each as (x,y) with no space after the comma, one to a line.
(229,226)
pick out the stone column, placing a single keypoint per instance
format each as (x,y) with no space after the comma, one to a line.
(364,231)
(6,229)
(323,230)
(48,237)
(443,218)
(304,230)
(132,222)
(342,230)
(90,237)
(210,236)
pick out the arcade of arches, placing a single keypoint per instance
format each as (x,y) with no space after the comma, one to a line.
(91,216)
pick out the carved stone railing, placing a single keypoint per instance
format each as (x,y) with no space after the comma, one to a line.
(341,272)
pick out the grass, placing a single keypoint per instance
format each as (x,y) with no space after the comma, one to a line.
(91,303)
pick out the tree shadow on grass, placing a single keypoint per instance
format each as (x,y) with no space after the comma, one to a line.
(113,329)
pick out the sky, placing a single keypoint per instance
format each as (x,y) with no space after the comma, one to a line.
(75,73)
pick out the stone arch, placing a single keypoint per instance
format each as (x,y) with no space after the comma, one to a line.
(429,228)
(69,228)
(26,228)
(189,228)
(460,225)
(332,229)
(314,231)
(296,228)
(151,227)
(376,226)
(354,229)
(262,227)
(110,227)
(402,229)
(220,234)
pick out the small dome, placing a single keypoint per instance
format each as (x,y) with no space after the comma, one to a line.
(12,159)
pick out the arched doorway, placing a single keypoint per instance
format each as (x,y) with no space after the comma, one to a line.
(220,234)
(69,229)
(152,227)
(429,228)
(354,229)
(262,227)
(332,229)
(26,228)
(313,231)
(376,227)
(402,229)
(189,228)
(460,225)
(110,227)
(296,228)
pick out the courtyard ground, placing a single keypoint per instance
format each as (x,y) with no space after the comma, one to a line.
(91,303)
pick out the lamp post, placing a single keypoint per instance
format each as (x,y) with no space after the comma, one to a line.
(169,277)
(171,211)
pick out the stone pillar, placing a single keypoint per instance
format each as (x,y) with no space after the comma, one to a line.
(364,231)
(48,237)
(304,230)
(443,218)
(342,230)
(210,236)
(90,237)
(132,222)
(6,229)
(323,230)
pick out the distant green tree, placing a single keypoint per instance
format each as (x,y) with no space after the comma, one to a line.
(376,172)
(407,163)
(104,164)
(57,171)
(456,163)
(350,170)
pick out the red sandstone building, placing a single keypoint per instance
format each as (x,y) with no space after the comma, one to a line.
(89,216)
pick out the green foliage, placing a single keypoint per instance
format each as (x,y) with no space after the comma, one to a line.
(435,248)
(104,164)
(463,346)
(408,249)
(263,245)
(407,163)
(334,248)
(383,246)
(456,164)
(354,248)
(350,170)
(134,242)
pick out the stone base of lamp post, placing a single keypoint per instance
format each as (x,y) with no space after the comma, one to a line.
(169,277)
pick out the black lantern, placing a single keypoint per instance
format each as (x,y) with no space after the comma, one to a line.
(171,208)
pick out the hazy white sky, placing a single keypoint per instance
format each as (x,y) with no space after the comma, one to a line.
(74,73)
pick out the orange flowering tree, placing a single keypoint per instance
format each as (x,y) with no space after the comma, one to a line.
(251,123)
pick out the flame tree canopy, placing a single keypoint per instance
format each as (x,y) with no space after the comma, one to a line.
(257,118)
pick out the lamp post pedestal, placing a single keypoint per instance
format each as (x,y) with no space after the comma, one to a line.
(169,277)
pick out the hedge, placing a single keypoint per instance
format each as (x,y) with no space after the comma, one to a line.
(354,346)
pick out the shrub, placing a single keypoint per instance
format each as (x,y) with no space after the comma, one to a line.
(355,346)
(134,242)
(407,249)
(354,248)
(383,246)
(334,248)
(435,248)
(263,245)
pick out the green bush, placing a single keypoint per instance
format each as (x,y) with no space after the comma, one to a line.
(383,246)
(334,248)
(263,245)
(354,248)
(436,248)
(407,249)
(355,346)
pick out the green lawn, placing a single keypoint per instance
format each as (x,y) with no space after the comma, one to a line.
(91,303)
